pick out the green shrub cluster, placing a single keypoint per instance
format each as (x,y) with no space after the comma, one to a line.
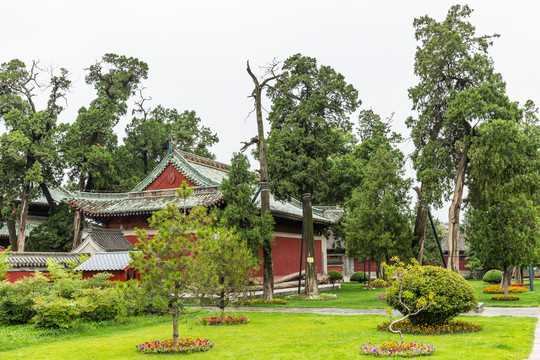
(359,276)
(493,277)
(453,294)
(335,275)
(58,300)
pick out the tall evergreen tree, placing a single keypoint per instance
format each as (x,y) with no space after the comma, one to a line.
(309,119)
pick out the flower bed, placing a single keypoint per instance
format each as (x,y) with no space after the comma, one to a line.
(382,297)
(520,285)
(261,301)
(396,349)
(505,298)
(496,289)
(184,346)
(223,320)
(319,297)
(453,327)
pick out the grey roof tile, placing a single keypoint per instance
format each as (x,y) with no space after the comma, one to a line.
(106,261)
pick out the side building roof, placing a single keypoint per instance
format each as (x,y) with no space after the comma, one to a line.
(106,261)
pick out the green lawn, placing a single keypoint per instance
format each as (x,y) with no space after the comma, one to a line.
(528,299)
(268,336)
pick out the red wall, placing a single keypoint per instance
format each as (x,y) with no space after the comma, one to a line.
(118,275)
(337,268)
(13,276)
(286,256)
(170,178)
(360,266)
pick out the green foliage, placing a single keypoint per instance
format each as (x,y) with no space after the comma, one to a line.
(102,304)
(54,234)
(359,276)
(4,265)
(432,255)
(17,299)
(493,276)
(309,120)
(57,312)
(241,213)
(452,294)
(377,225)
(335,275)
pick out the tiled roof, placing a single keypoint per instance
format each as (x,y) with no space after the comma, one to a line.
(38,259)
(110,239)
(58,194)
(461,245)
(106,261)
(142,202)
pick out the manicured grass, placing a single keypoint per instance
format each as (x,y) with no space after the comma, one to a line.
(528,299)
(277,336)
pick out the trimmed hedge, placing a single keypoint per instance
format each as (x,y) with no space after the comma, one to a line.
(335,275)
(359,276)
(453,294)
(493,277)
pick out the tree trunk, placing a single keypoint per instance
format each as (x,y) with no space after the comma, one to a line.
(12,231)
(175,322)
(222,296)
(420,225)
(45,190)
(311,287)
(21,219)
(519,275)
(507,279)
(78,219)
(453,214)
(268,265)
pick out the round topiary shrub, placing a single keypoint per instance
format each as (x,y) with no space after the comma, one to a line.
(493,277)
(335,275)
(359,276)
(453,294)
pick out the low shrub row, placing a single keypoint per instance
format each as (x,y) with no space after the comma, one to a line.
(223,320)
(496,289)
(453,327)
(505,298)
(261,301)
(318,297)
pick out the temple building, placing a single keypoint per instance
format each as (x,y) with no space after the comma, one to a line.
(128,211)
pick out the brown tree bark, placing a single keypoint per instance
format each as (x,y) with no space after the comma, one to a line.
(45,190)
(175,321)
(507,279)
(454,212)
(519,274)
(311,287)
(12,231)
(420,225)
(21,219)
(78,220)
(268,264)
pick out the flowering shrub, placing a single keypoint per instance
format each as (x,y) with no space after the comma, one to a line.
(262,301)
(453,327)
(319,297)
(223,320)
(187,345)
(505,298)
(396,349)
(382,297)
(496,289)
(379,283)
(520,285)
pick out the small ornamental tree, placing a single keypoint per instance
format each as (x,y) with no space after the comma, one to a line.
(4,265)
(166,261)
(410,304)
(225,264)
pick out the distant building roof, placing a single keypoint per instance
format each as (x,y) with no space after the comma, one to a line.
(106,261)
(39,259)
(103,240)
(462,243)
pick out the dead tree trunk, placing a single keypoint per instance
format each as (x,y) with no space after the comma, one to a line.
(420,225)
(453,213)
(311,287)
(268,265)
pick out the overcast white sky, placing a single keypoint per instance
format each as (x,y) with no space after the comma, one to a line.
(197,50)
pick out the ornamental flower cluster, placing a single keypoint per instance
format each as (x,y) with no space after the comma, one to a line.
(379,283)
(505,298)
(184,346)
(496,289)
(520,284)
(396,349)
(318,297)
(382,297)
(453,327)
(262,301)
(223,320)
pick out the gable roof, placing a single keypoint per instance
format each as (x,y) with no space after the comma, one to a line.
(103,240)
(39,259)
(118,260)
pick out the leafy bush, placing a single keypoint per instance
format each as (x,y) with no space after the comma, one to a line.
(496,289)
(184,346)
(379,283)
(223,320)
(335,275)
(17,299)
(359,276)
(103,304)
(4,265)
(493,277)
(57,312)
(452,294)
(453,327)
